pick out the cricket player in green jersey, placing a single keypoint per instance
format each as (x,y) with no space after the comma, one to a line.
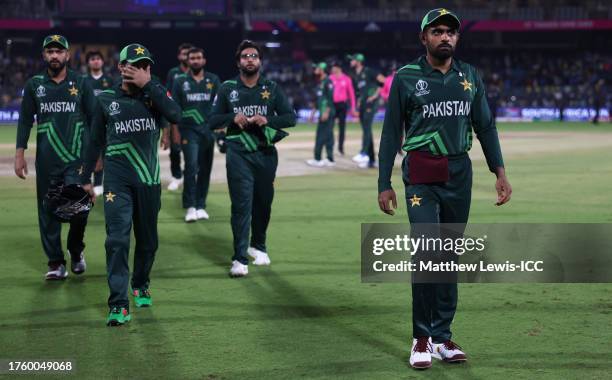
(437,101)
(367,87)
(254,110)
(175,146)
(60,100)
(195,91)
(126,126)
(325,126)
(97,81)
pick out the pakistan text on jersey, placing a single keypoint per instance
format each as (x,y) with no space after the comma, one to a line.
(448,108)
(198,97)
(57,107)
(135,125)
(252,110)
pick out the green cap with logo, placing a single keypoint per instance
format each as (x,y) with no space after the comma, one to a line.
(320,65)
(439,14)
(134,53)
(357,57)
(57,40)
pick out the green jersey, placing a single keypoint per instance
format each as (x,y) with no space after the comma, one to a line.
(325,97)
(365,84)
(61,111)
(195,99)
(266,99)
(97,85)
(436,112)
(173,73)
(128,127)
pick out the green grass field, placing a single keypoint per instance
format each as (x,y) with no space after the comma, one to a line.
(308,315)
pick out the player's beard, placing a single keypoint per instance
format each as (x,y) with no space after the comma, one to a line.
(249,72)
(196,69)
(56,66)
(442,52)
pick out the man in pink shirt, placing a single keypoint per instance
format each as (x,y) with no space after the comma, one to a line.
(384,92)
(344,93)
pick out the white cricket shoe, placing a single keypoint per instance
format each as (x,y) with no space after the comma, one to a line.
(315,163)
(259,257)
(175,184)
(448,352)
(420,355)
(367,165)
(78,266)
(328,163)
(361,158)
(98,190)
(56,272)
(202,214)
(191,215)
(238,269)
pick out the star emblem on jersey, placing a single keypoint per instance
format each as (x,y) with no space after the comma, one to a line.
(110,197)
(139,51)
(55,38)
(265,94)
(210,86)
(415,201)
(443,12)
(466,85)
(73,91)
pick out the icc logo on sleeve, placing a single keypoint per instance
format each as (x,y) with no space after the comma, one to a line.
(421,87)
(113,108)
(40,91)
(186,86)
(233,96)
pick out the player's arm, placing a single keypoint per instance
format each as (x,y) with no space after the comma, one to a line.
(96,143)
(486,132)
(285,115)
(391,134)
(163,102)
(351,93)
(221,115)
(329,101)
(24,127)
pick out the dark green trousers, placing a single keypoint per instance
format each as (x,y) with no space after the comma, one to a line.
(434,305)
(250,178)
(126,206)
(51,228)
(198,152)
(325,138)
(366,118)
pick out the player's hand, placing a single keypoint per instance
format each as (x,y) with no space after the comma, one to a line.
(21,166)
(386,197)
(258,120)
(164,142)
(356,114)
(504,190)
(325,116)
(99,164)
(176,135)
(136,76)
(89,189)
(241,120)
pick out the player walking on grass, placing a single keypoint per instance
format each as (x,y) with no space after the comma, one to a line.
(195,91)
(126,126)
(97,82)
(175,146)
(60,100)
(368,89)
(325,126)
(437,100)
(254,110)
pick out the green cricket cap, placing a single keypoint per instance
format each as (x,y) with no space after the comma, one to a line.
(357,57)
(56,39)
(134,53)
(320,65)
(439,14)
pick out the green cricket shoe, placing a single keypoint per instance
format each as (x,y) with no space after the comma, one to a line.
(118,316)
(142,297)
